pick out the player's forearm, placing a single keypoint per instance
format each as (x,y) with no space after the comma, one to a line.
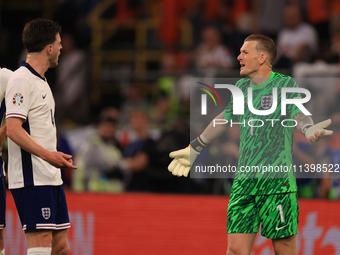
(213,130)
(303,122)
(19,135)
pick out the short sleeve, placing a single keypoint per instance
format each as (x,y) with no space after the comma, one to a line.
(18,98)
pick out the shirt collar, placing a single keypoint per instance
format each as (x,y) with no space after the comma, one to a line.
(25,64)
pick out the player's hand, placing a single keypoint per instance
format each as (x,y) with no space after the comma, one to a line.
(60,160)
(180,165)
(317,131)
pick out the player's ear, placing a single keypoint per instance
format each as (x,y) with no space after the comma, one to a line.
(49,49)
(263,58)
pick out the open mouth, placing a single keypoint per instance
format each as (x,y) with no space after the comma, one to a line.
(242,65)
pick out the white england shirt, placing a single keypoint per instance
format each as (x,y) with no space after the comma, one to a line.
(5,74)
(29,97)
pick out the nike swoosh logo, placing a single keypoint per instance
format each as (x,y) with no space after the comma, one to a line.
(44,96)
(281,227)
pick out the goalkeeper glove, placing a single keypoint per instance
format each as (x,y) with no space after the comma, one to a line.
(181,163)
(316,132)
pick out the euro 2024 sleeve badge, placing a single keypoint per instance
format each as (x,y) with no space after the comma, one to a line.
(18,99)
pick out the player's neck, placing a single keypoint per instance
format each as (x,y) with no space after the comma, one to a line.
(260,77)
(38,63)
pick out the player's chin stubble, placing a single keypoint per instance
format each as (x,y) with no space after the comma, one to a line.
(54,63)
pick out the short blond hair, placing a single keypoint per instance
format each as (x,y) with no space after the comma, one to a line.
(264,44)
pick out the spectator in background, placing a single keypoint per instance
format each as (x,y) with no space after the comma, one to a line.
(137,154)
(318,12)
(268,16)
(64,146)
(160,114)
(327,67)
(211,56)
(174,60)
(334,58)
(325,155)
(297,41)
(196,14)
(334,53)
(334,191)
(231,155)
(71,90)
(234,22)
(160,179)
(335,16)
(166,105)
(312,184)
(303,155)
(134,100)
(224,152)
(98,157)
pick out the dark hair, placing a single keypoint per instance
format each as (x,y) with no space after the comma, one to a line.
(264,43)
(109,114)
(39,33)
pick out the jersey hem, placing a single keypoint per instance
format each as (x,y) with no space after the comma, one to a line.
(33,185)
(263,194)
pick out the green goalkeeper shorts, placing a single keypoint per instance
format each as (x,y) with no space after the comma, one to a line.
(277,214)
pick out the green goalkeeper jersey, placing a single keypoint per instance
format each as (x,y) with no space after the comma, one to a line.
(265,163)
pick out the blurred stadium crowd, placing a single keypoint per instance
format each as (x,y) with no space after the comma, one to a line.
(123,81)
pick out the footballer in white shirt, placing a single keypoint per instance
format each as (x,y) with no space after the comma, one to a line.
(33,166)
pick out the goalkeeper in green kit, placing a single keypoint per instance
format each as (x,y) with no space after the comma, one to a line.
(270,198)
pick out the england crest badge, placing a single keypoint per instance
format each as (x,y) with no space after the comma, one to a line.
(266,101)
(46,213)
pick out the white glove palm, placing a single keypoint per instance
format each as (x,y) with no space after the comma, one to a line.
(180,165)
(317,131)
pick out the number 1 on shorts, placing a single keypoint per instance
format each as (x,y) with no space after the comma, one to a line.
(279,207)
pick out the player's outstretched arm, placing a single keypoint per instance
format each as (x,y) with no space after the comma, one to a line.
(313,132)
(213,131)
(182,159)
(19,135)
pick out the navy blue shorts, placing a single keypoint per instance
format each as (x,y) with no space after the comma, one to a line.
(42,207)
(2,202)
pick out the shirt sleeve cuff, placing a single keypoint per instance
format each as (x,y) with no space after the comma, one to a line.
(16,115)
